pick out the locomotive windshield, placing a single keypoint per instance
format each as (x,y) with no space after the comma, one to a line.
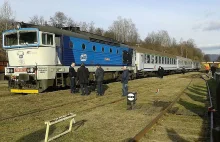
(20,38)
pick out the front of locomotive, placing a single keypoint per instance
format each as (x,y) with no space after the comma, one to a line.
(25,53)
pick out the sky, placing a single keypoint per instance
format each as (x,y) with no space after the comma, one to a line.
(196,19)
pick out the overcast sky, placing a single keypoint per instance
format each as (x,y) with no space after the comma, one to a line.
(196,19)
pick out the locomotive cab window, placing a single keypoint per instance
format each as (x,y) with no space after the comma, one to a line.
(47,39)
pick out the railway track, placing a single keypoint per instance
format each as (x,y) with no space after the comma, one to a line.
(149,126)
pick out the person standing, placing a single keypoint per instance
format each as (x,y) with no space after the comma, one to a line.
(72,75)
(82,77)
(124,81)
(213,70)
(160,72)
(183,70)
(99,75)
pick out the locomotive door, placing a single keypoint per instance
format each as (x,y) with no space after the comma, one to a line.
(59,49)
(127,57)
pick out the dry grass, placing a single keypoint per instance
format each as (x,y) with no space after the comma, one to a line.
(187,120)
(111,122)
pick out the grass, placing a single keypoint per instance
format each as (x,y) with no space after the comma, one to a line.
(187,119)
(111,122)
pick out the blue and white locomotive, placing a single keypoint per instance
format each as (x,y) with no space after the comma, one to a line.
(39,57)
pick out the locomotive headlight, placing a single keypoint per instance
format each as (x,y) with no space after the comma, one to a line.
(7,70)
(11,70)
(28,70)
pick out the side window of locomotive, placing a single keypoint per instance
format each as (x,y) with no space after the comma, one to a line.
(103,49)
(43,38)
(93,48)
(83,46)
(110,50)
(117,51)
(47,39)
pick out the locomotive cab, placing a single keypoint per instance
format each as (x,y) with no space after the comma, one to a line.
(23,46)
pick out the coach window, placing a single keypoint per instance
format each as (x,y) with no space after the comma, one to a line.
(156,61)
(83,46)
(93,48)
(159,60)
(145,58)
(152,59)
(148,58)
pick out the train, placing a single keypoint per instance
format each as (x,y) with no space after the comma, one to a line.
(39,57)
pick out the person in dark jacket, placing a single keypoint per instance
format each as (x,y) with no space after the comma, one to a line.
(183,70)
(99,75)
(124,81)
(82,77)
(160,72)
(213,69)
(72,76)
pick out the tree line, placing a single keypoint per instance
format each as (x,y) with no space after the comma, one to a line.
(122,29)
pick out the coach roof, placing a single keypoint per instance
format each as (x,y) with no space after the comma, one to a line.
(145,50)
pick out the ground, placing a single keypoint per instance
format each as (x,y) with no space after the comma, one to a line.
(97,119)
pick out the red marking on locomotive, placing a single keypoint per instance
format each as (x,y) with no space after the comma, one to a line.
(20,69)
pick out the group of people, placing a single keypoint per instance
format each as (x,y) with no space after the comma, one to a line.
(213,69)
(82,77)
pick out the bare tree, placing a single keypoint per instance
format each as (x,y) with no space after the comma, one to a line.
(99,31)
(206,58)
(7,17)
(124,30)
(71,23)
(91,27)
(218,59)
(58,20)
(84,26)
(37,20)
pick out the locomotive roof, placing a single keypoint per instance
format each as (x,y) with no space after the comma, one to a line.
(75,33)
(145,50)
